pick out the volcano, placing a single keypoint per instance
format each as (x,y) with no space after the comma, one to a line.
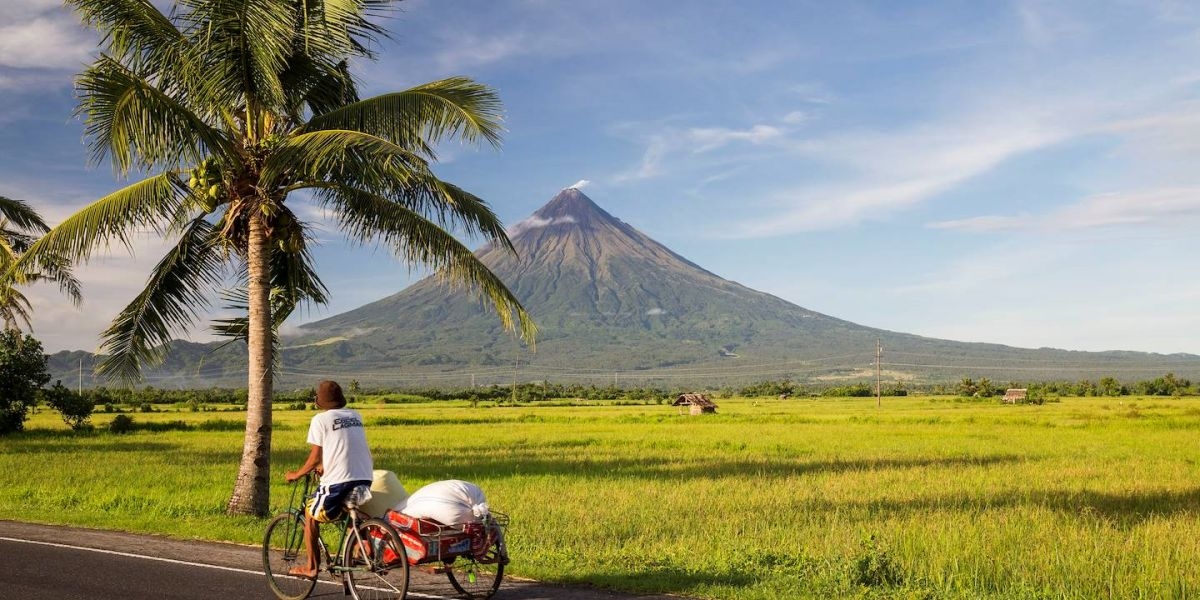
(608,299)
(614,306)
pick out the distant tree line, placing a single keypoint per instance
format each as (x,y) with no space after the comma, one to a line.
(1167,385)
(788,388)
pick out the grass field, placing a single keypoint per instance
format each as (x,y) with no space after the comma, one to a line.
(924,498)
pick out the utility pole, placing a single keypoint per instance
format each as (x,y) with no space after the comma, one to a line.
(472,381)
(516,367)
(878,354)
(81,377)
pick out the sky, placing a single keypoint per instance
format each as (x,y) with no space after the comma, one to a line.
(1022,173)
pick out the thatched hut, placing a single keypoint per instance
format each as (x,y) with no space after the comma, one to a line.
(1015,395)
(699,403)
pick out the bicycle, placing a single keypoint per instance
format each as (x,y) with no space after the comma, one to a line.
(369,558)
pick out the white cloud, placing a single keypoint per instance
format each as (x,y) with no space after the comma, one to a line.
(896,170)
(468,51)
(796,117)
(1042,24)
(51,42)
(656,311)
(668,143)
(17,10)
(109,282)
(579,185)
(1028,292)
(537,222)
(711,138)
(1165,208)
(813,93)
(651,164)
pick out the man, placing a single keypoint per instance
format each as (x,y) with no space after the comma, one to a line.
(339,454)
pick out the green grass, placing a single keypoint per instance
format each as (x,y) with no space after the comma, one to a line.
(924,498)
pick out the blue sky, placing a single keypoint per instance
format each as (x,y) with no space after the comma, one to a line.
(1017,172)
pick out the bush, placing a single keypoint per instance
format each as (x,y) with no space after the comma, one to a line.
(121,424)
(874,566)
(76,409)
(22,372)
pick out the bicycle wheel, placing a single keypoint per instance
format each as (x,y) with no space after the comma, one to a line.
(283,549)
(374,563)
(478,578)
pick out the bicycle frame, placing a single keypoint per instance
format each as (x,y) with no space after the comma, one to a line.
(354,558)
(348,523)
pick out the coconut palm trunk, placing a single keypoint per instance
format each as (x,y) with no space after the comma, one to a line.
(251,491)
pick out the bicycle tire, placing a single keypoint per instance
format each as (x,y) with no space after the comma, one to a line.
(478,579)
(283,547)
(370,570)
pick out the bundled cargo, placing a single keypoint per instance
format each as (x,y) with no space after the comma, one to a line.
(446,519)
(386,493)
(449,502)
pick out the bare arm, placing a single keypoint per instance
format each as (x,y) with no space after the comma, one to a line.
(312,463)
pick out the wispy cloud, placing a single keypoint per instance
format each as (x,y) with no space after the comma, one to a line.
(469,51)
(671,143)
(40,35)
(1044,23)
(895,170)
(536,223)
(711,138)
(1169,208)
(651,163)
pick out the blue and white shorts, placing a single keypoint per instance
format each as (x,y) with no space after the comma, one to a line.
(329,502)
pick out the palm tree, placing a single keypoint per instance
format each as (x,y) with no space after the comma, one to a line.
(19,227)
(236,105)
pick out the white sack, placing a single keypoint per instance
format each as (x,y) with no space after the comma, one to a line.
(451,502)
(386,491)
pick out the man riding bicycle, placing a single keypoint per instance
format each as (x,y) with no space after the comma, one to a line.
(339,454)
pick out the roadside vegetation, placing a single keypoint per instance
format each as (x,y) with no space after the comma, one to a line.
(937,497)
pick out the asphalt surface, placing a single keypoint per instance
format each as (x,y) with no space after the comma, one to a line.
(43,562)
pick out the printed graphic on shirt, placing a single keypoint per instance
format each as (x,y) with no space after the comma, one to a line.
(344,422)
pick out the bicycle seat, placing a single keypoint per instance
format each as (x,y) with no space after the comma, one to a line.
(360,495)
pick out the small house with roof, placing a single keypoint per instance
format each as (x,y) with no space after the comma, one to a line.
(698,403)
(1015,395)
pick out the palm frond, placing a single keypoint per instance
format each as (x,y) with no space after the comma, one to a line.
(244,45)
(134,31)
(15,309)
(140,125)
(174,294)
(417,240)
(336,155)
(22,215)
(343,27)
(419,190)
(450,108)
(14,244)
(315,87)
(147,204)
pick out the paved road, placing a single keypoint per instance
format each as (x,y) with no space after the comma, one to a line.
(49,562)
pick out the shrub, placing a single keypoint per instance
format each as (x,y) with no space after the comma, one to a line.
(76,409)
(874,565)
(22,372)
(121,424)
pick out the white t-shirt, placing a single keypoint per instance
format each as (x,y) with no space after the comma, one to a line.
(344,452)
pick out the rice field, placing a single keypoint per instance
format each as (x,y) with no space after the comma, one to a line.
(768,499)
